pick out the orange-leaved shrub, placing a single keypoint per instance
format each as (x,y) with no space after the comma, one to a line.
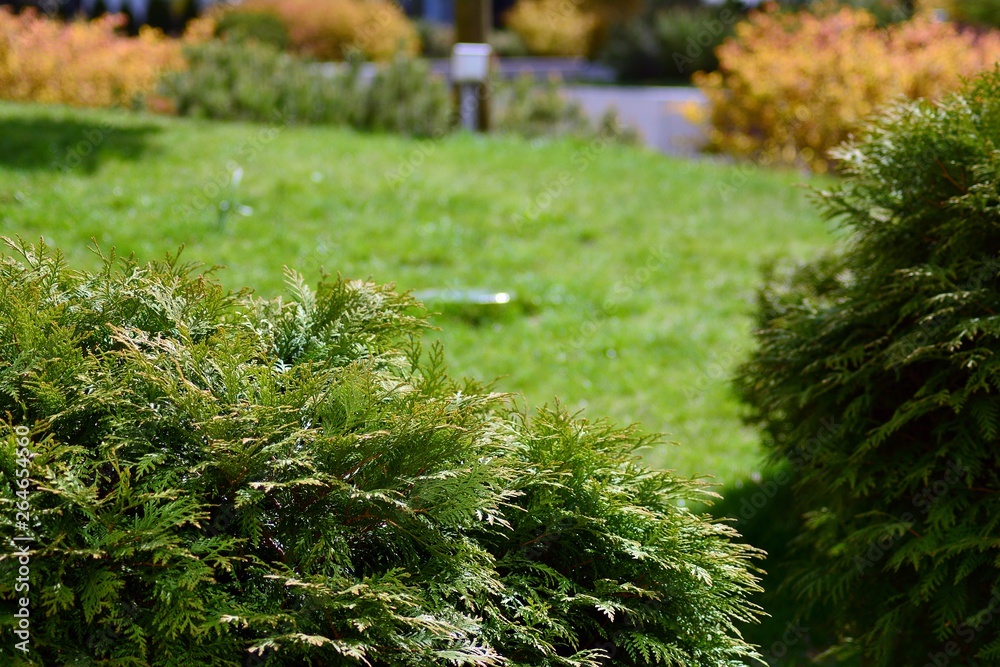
(82,63)
(555,27)
(792,85)
(332,29)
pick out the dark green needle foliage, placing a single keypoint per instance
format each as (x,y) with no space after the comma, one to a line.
(877,377)
(222,480)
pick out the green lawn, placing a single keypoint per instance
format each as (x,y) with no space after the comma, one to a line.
(633,283)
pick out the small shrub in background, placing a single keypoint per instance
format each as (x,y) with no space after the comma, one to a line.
(983,13)
(248,80)
(554,27)
(263,27)
(669,41)
(877,380)
(217,479)
(508,44)
(567,27)
(406,97)
(83,63)
(609,13)
(333,29)
(889,11)
(530,108)
(436,39)
(793,85)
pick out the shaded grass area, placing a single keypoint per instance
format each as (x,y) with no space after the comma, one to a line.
(631,275)
(761,508)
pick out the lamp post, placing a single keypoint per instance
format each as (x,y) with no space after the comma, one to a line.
(470,67)
(473,21)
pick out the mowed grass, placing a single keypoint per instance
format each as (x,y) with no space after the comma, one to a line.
(632,274)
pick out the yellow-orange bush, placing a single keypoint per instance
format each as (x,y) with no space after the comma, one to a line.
(80,63)
(791,86)
(612,10)
(555,27)
(331,29)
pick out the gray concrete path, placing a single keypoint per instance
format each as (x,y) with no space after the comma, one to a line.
(567,69)
(655,111)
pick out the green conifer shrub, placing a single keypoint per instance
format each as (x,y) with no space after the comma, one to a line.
(982,13)
(242,78)
(218,479)
(261,26)
(670,40)
(245,78)
(890,349)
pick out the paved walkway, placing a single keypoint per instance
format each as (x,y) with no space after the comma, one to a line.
(567,69)
(656,112)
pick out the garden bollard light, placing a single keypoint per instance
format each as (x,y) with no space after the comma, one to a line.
(470,67)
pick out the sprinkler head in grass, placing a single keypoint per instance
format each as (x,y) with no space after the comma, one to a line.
(472,305)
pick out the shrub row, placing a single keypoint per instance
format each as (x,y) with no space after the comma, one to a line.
(217,479)
(793,85)
(247,80)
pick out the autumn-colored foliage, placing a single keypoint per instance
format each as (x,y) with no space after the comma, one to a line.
(554,27)
(83,63)
(793,85)
(332,29)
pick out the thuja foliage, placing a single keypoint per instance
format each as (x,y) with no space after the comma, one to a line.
(218,479)
(877,378)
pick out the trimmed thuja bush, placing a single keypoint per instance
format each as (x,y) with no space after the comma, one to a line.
(877,377)
(217,479)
